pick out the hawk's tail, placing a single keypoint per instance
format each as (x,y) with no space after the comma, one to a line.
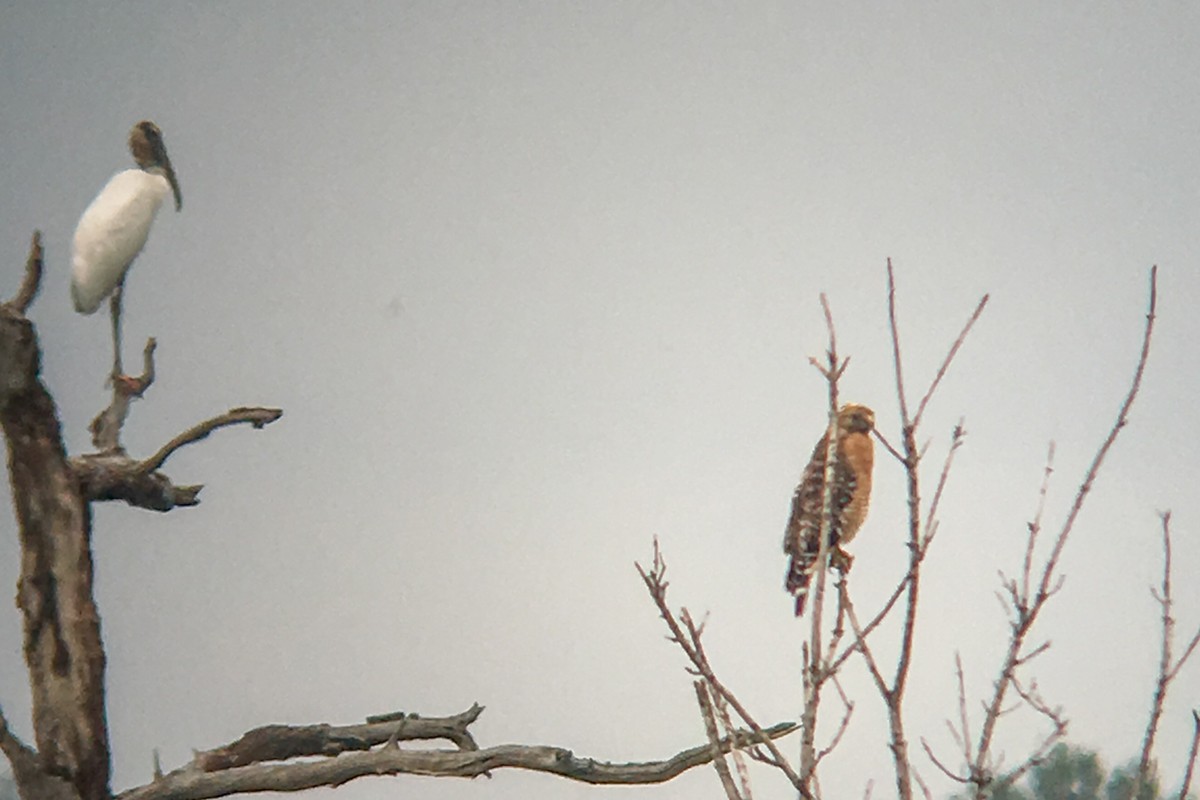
(800,570)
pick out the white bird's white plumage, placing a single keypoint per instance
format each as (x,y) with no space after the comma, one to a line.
(111,232)
(114,228)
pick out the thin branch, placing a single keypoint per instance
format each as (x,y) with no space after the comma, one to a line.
(256,417)
(848,705)
(954,348)
(964,720)
(1026,608)
(739,763)
(888,445)
(1191,762)
(1122,421)
(895,331)
(656,585)
(714,741)
(33,277)
(1168,668)
(1035,527)
(949,773)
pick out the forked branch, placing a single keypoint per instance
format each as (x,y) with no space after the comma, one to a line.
(1168,665)
(1027,596)
(344,753)
(687,635)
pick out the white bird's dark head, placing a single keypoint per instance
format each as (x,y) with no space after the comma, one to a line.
(146,144)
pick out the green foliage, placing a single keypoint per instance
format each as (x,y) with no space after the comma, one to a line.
(1120,784)
(1068,774)
(1075,773)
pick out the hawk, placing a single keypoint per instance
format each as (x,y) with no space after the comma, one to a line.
(854,456)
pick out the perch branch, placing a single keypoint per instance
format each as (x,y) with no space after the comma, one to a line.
(814,675)
(195,783)
(106,427)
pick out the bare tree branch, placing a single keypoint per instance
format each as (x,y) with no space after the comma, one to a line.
(954,348)
(33,277)
(114,475)
(714,740)
(1191,762)
(106,427)
(195,784)
(656,585)
(1026,601)
(739,762)
(918,541)
(256,417)
(1168,667)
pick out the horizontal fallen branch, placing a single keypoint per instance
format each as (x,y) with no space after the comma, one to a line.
(236,769)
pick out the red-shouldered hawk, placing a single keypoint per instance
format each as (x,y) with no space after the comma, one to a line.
(855,455)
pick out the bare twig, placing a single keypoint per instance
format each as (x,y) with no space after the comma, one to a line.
(1028,598)
(1168,667)
(256,417)
(888,446)
(689,642)
(1035,527)
(739,762)
(33,277)
(895,332)
(941,373)
(1191,762)
(714,741)
(964,734)
(848,706)
(949,773)
(1058,730)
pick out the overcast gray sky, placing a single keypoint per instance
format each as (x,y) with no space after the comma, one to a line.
(537,282)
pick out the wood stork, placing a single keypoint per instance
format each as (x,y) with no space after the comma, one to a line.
(114,228)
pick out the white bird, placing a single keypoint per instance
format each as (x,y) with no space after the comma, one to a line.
(114,228)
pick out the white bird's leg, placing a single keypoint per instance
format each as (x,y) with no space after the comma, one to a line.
(114,305)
